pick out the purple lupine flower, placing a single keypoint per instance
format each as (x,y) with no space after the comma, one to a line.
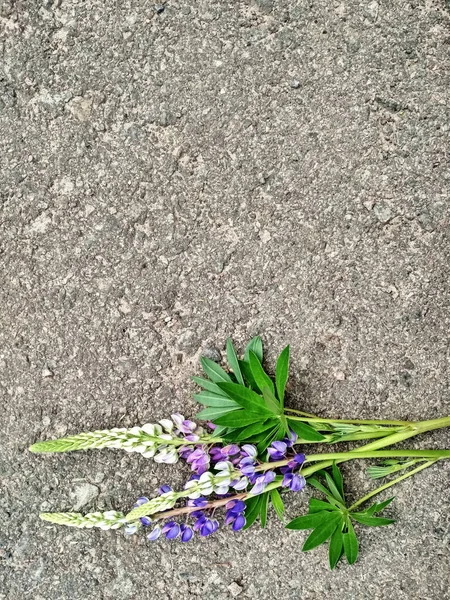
(277,451)
(230,450)
(297,461)
(146,521)
(247,465)
(198,502)
(140,501)
(186,532)
(183,425)
(240,484)
(290,439)
(261,482)
(207,528)
(211,425)
(185,451)
(199,522)
(294,482)
(235,505)
(250,450)
(154,534)
(164,489)
(192,437)
(199,460)
(238,523)
(171,530)
(215,454)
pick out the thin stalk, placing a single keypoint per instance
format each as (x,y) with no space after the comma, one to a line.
(391,483)
(349,421)
(344,456)
(185,510)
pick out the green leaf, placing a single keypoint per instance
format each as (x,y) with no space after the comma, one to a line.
(263,509)
(309,521)
(304,431)
(316,505)
(333,489)
(277,503)
(255,429)
(260,377)
(254,345)
(338,480)
(213,413)
(211,399)
(214,371)
(271,402)
(218,431)
(382,505)
(247,374)
(315,483)
(336,548)
(350,544)
(238,418)
(246,398)
(323,531)
(234,362)
(208,385)
(272,435)
(282,373)
(252,510)
(371,521)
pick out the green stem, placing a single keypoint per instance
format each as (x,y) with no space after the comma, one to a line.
(349,421)
(391,483)
(419,427)
(344,456)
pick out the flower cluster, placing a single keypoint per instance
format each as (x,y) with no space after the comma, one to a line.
(165,441)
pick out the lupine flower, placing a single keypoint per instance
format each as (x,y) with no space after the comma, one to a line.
(199,460)
(164,489)
(238,523)
(293,481)
(230,450)
(140,501)
(130,528)
(261,482)
(154,534)
(290,439)
(171,530)
(146,521)
(277,451)
(186,532)
(297,461)
(250,450)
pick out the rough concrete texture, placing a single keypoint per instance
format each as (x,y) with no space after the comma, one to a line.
(175,174)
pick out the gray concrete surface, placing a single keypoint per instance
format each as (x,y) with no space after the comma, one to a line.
(173,175)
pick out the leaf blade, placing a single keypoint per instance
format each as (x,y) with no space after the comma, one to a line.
(282,373)
(336,548)
(233,361)
(305,431)
(214,371)
(260,377)
(350,544)
(322,533)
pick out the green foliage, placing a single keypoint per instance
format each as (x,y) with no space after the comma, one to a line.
(331,520)
(246,404)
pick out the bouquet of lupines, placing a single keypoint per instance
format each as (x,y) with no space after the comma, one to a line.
(250,452)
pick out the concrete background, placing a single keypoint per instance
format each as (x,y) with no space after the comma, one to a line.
(175,174)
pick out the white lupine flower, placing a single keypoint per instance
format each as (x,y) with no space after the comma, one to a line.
(167,425)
